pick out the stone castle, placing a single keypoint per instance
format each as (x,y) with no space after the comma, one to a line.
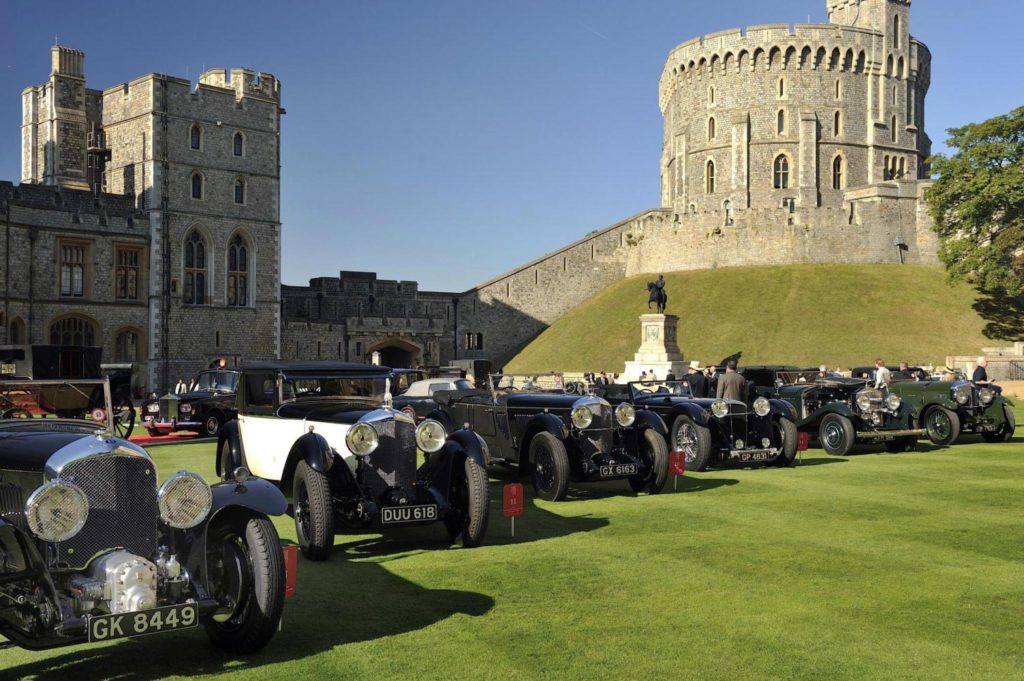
(151,209)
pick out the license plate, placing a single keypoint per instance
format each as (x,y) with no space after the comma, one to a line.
(155,621)
(7,368)
(618,469)
(754,455)
(392,515)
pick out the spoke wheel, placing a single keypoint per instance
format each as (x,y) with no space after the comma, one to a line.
(124,417)
(943,425)
(693,440)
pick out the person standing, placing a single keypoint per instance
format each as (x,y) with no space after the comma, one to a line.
(731,385)
(882,375)
(980,376)
(180,387)
(698,382)
(712,377)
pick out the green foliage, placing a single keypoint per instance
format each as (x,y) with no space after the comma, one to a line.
(978,204)
(842,315)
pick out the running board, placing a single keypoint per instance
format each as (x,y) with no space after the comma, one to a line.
(885,434)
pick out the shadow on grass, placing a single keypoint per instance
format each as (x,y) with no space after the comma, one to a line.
(1004,317)
(338,602)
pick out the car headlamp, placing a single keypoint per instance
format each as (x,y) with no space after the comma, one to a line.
(720,408)
(582,417)
(362,439)
(893,401)
(740,444)
(864,401)
(184,500)
(153,408)
(962,394)
(762,406)
(430,436)
(625,414)
(766,443)
(185,408)
(57,511)
(986,395)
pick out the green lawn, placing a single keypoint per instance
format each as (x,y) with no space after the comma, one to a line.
(842,315)
(871,566)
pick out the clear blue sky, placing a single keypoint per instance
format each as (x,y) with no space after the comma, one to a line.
(447,141)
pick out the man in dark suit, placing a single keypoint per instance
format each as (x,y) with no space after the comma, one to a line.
(695,377)
(731,385)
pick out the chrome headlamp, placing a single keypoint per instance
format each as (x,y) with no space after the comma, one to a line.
(184,500)
(430,436)
(986,395)
(153,408)
(582,417)
(720,408)
(762,406)
(962,394)
(864,401)
(893,401)
(362,439)
(625,414)
(185,408)
(57,511)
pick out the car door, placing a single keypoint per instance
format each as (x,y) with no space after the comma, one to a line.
(266,438)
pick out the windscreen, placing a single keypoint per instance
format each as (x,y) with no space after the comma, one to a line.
(350,387)
(81,400)
(529,383)
(217,380)
(674,388)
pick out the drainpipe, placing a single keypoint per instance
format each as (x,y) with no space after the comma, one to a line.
(455,328)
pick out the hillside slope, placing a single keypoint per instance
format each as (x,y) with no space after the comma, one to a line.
(801,314)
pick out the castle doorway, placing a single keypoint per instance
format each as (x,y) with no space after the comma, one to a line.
(398,353)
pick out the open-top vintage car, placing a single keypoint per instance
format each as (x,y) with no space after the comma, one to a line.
(92,549)
(326,433)
(418,399)
(716,432)
(555,437)
(842,412)
(946,409)
(205,409)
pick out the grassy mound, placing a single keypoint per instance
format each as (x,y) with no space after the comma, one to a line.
(842,315)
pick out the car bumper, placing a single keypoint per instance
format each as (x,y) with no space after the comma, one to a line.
(169,426)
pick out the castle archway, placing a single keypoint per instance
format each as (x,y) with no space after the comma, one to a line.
(398,353)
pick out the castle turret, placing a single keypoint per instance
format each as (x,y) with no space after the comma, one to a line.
(888,17)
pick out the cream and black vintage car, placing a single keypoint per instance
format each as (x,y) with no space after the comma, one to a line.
(326,433)
(93,549)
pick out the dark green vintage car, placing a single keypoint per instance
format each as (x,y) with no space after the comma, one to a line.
(947,409)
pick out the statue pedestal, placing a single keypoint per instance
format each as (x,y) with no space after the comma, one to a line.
(659,349)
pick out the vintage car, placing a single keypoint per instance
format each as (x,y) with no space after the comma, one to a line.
(325,432)
(92,548)
(204,409)
(529,422)
(947,409)
(418,399)
(716,432)
(842,412)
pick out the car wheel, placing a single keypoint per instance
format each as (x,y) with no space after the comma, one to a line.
(550,466)
(471,506)
(654,453)
(212,424)
(789,437)
(314,512)
(693,440)
(124,416)
(1004,434)
(943,425)
(248,580)
(836,434)
(227,465)
(901,444)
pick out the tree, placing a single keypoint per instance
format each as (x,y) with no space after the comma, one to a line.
(978,204)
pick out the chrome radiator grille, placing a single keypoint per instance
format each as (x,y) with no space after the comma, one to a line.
(393,463)
(12,505)
(122,507)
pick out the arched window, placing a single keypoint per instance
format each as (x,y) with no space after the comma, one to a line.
(893,127)
(197,185)
(72,331)
(839,89)
(195,136)
(709,177)
(781,172)
(196,276)
(711,95)
(885,169)
(16,336)
(837,173)
(239,190)
(238,272)
(896,32)
(126,346)
(239,144)
(903,168)
(711,129)
(894,95)
(781,127)
(837,124)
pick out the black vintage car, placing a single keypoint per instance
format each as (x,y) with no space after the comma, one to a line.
(326,433)
(841,412)
(716,432)
(531,423)
(204,409)
(92,549)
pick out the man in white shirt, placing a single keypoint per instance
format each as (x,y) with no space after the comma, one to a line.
(882,375)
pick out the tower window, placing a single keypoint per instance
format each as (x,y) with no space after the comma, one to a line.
(197,185)
(837,173)
(781,124)
(893,125)
(709,177)
(72,269)
(238,272)
(711,129)
(781,172)
(711,95)
(239,190)
(239,144)
(837,124)
(195,269)
(839,89)
(782,88)
(896,32)
(195,137)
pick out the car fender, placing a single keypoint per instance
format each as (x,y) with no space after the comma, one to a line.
(646,418)
(693,410)
(442,417)
(544,422)
(36,572)
(836,407)
(318,455)
(447,462)
(233,437)
(782,408)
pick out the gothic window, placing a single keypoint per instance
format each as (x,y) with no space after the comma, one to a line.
(197,185)
(893,128)
(903,168)
(781,172)
(195,137)
(127,270)
(839,89)
(238,272)
(196,275)
(711,95)
(711,129)
(72,331)
(837,124)
(894,95)
(885,169)
(896,32)
(16,336)
(837,173)
(126,346)
(782,88)
(781,123)
(709,177)
(239,190)
(239,144)
(72,269)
